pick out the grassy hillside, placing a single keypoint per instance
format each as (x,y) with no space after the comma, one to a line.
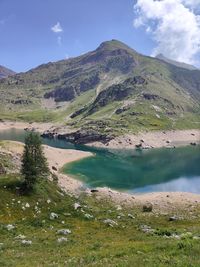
(112,86)
(137,238)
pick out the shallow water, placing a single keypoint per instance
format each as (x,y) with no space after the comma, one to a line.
(129,170)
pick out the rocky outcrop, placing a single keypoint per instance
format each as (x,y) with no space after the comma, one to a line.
(116,92)
(70,89)
(80,136)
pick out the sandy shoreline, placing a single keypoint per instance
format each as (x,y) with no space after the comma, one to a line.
(39,127)
(56,158)
(157,139)
(161,201)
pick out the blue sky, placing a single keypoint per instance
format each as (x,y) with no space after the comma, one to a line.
(27,39)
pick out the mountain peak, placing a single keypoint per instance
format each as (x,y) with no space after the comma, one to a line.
(115,44)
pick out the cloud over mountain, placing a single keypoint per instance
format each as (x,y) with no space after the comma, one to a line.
(173,24)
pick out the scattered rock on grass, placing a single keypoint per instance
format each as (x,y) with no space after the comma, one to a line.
(148,207)
(88,216)
(147,229)
(131,216)
(53,216)
(26,242)
(27,205)
(174,218)
(64,232)
(77,206)
(20,237)
(10,227)
(110,222)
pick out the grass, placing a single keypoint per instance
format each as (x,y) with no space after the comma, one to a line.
(173,85)
(91,243)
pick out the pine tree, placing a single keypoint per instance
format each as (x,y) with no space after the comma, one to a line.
(34,163)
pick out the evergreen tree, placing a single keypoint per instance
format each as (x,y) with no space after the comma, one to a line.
(34,163)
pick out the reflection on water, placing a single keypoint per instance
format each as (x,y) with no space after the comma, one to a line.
(184,184)
(130,170)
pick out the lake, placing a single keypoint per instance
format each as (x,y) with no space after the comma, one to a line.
(155,170)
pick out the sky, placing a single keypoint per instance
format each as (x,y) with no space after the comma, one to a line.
(40,31)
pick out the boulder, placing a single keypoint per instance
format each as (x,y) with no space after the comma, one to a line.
(53,216)
(148,207)
(64,232)
(26,242)
(110,222)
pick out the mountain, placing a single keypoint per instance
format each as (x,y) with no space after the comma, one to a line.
(176,63)
(112,89)
(4,72)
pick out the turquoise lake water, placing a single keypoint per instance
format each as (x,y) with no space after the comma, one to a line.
(130,170)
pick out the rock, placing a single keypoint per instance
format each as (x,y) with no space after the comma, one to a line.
(54,168)
(26,242)
(118,207)
(193,144)
(94,191)
(77,206)
(53,216)
(138,146)
(131,216)
(88,216)
(174,218)
(10,227)
(110,222)
(147,229)
(80,136)
(175,236)
(20,237)
(147,207)
(62,240)
(27,205)
(64,232)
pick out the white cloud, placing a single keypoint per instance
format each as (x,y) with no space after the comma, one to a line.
(173,24)
(57,28)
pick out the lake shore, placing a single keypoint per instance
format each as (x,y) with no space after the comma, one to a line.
(56,158)
(145,140)
(157,139)
(162,201)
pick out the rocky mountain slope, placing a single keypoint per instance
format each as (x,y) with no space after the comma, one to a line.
(113,89)
(4,72)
